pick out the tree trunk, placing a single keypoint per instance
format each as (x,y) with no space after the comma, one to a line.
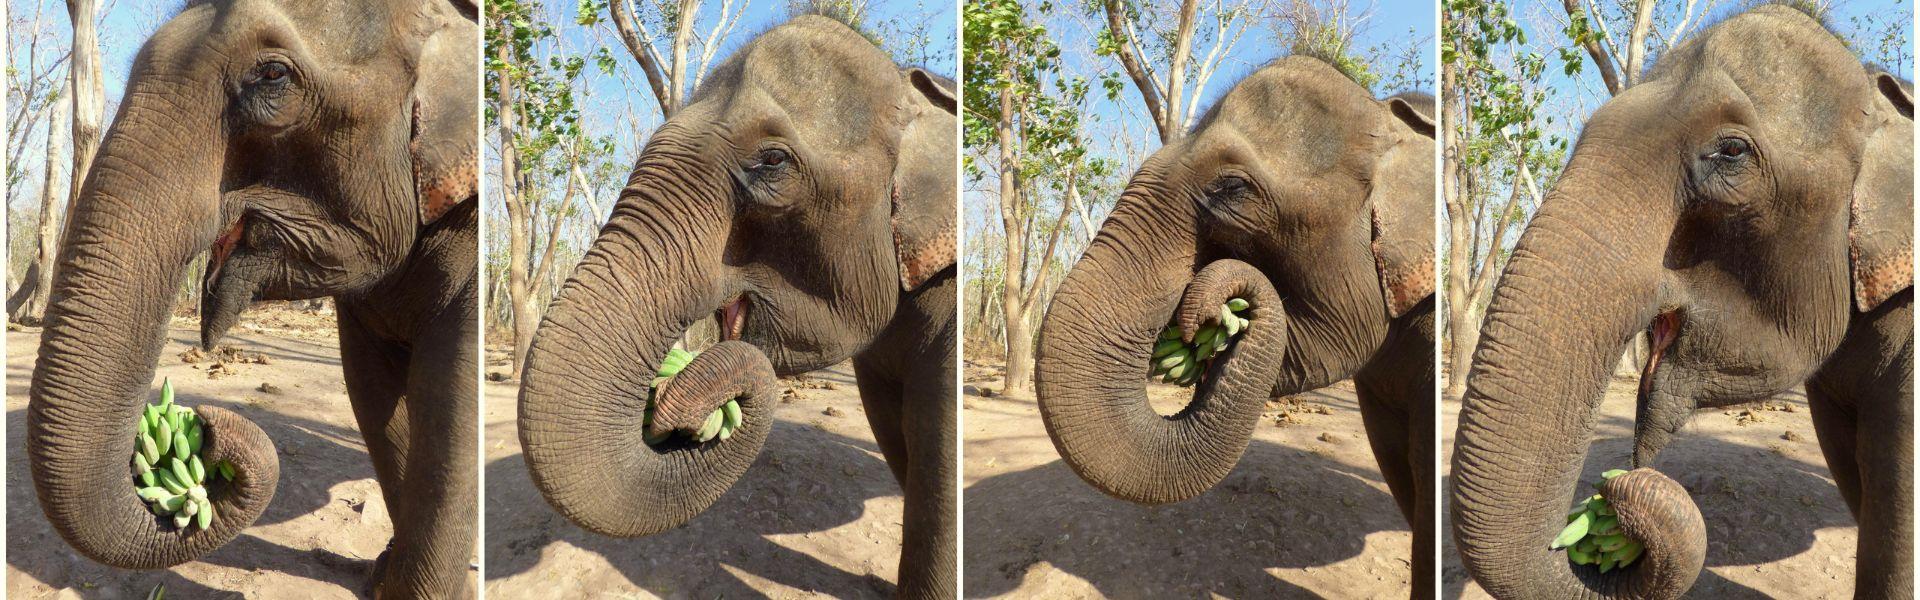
(1637,41)
(518,247)
(1177,73)
(1129,55)
(1013,220)
(1459,253)
(84,74)
(682,36)
(50,226)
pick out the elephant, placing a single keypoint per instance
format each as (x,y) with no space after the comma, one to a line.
(804,198)
(1303,194)
(1749,204)
(312,149)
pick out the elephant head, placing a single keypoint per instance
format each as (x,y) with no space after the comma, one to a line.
(1299,173)
(1743,203)
(308,145)
(806,187)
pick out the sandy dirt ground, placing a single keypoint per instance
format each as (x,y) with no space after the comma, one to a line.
(817,515)
(1305,514)
(327,522)
(1776,526)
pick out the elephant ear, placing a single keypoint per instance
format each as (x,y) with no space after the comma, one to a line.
(444,147)
(1402,203)
(1881,231)
(925,183)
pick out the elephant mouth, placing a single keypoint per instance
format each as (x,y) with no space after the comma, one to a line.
(731,318)
(1660,336)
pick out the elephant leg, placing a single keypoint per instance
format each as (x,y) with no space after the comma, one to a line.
(1395,392)
(1835,424)
(1862,405)
(928,561)
(376,379)
(417,410)
(880,396)
(433,539)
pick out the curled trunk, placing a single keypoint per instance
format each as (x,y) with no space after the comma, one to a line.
(588,373)
(1094,352)
(131,236)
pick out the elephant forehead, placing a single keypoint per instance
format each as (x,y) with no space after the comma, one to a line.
(346,31)
(1785,63)
(1297,107)
(831,81)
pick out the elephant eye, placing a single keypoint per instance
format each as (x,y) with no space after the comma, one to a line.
(1227,187)
(770,158)
(272,72)
(1732,148)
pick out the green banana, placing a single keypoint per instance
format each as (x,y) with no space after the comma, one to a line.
(712,426)
(1627,554)
(163,437)
(168,481)
(1175,358)
(205,518)
(1203,352)
(1578,557)
(1606,525)
(196,436)
(147,479)
(180,471)
(226,470)
(153,494)
(1178,370)
(180,448)
(1170,333)
(1609,543)
(734,417)
(180,520)
(172,504)
(149,448)
(1236,305)
(1573,532)
(197,469)
(1601,542)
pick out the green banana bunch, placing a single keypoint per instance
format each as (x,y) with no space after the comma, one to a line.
(1181,364)
(721,424)
(1593,535)
(167,469)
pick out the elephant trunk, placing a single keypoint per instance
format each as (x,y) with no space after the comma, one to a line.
(1094,354)
(1579,285)
(591,367)
(134,228)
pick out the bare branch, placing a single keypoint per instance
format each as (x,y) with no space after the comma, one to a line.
(677,71)
(1601,62)
(1637,41)
(722,27)
(1129,54)
(1177,72)
(639,43)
